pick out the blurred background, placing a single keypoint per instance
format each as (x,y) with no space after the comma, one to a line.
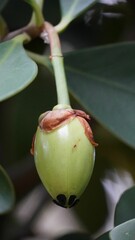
(34,216)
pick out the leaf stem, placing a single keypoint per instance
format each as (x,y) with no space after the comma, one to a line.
(32,31)
(37,17)
(40,59)
(60,27)
(35,26)
(23,38)
(58,63)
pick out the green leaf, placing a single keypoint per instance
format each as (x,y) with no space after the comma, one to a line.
(105,236)
(125,231)
(3,4)
(71,9)
(125,208)
(17,70)
(103,80)
(7,196)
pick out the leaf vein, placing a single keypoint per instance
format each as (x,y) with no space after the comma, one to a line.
(99,79)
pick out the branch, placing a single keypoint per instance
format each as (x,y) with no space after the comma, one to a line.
(31,30)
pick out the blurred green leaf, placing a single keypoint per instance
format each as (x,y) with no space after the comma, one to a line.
(17,70)
(3,4)
(27,105)
(125,208)
(102,79)
(6,192)
(105,236)
(125,231)
(71,9)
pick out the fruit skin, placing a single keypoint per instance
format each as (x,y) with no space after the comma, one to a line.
(64,154)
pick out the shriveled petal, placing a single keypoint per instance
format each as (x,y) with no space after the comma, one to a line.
(51,120)
(32,145)
(56,118)
(88,131)
(82,114)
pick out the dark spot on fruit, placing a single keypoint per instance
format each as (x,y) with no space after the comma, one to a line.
(60,200)
(75,145)
(72,201)
(57,203)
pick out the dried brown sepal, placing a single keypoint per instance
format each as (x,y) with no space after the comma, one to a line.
(88,131)
(83,118)
(56,118)
(32,145)
(82,114)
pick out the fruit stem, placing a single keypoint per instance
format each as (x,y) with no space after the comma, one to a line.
(49,35)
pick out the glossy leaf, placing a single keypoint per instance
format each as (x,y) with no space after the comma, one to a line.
(105,236)
(72,8)
(3,4)
(125,209)
(103,80)
(125,231)
(6,192)
(17,70)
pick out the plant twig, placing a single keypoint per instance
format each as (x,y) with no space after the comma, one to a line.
(50,35)
(32,31)
(36,24)
(37,16)
(40,59)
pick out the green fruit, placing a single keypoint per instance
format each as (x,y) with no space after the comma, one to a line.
(64,155)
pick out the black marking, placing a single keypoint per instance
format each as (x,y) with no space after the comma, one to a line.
(71,200)
(74,203)
(57,203)
(61,199)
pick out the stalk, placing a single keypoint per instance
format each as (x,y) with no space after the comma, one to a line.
(50,34)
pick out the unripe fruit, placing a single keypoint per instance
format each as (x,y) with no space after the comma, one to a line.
(64,153)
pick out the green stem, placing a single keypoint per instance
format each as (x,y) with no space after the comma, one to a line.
(42,60)
(37,17)
(60,27)
(23,38)
(36,24)
(58,64)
